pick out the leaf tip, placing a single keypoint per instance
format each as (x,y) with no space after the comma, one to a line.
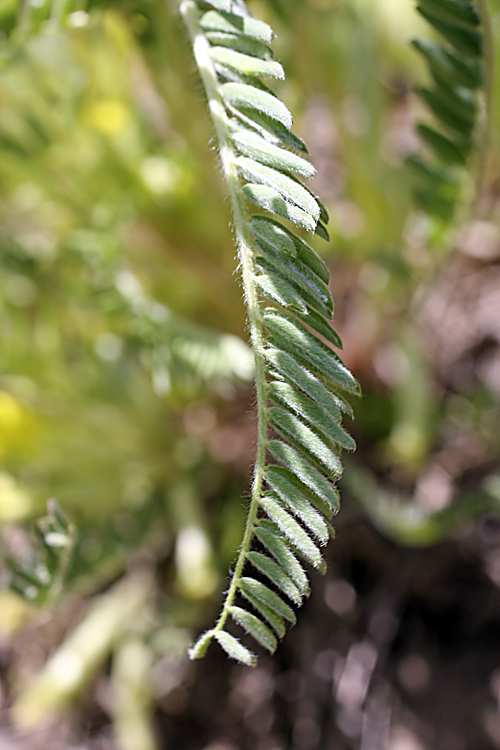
(198,649)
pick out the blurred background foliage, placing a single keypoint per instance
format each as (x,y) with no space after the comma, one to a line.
(125,382)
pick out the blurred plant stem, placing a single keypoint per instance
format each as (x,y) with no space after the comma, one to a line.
(83,651)
(132,697)
(409,523)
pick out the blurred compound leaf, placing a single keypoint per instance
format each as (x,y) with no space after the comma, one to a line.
(39,577)
(132,688)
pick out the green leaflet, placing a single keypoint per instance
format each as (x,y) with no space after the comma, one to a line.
(323,213)
(444,147)
(433,204)
(231,75)
(284,395)
(270,537)
(290,336)
(303,438)
(289,189)
(246,64)
(224,5)
(305,380)
(270,200)
(230,22)
(292,268)
(256,147)
(306,472)
(301,275)
(434,179)
(460,101)
(312,260)
(269,231)
(312,497)
(289,491)
(234,649)
(254,627)
(280,291)
(268,597)
(460,123)
(293,532)
(321,326)
(455,13)
(276,374)
(469,43)
(306,294)
(448,68)
(271,130)
(322,231)
(274,620)
(249,97)
(240,43)
(273,233)
(198,650)
(277,575)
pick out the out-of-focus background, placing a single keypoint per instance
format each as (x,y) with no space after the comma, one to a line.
(126,398)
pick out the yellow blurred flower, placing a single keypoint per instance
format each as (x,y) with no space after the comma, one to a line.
(17,425)
(15,503)
(109,116)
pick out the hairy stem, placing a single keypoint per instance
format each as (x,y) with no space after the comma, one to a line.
(489,80)
(244,242)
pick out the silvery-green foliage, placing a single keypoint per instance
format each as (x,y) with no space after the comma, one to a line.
(301,383)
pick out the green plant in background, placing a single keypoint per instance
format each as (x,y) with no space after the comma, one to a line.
(40,577)
(459,69)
